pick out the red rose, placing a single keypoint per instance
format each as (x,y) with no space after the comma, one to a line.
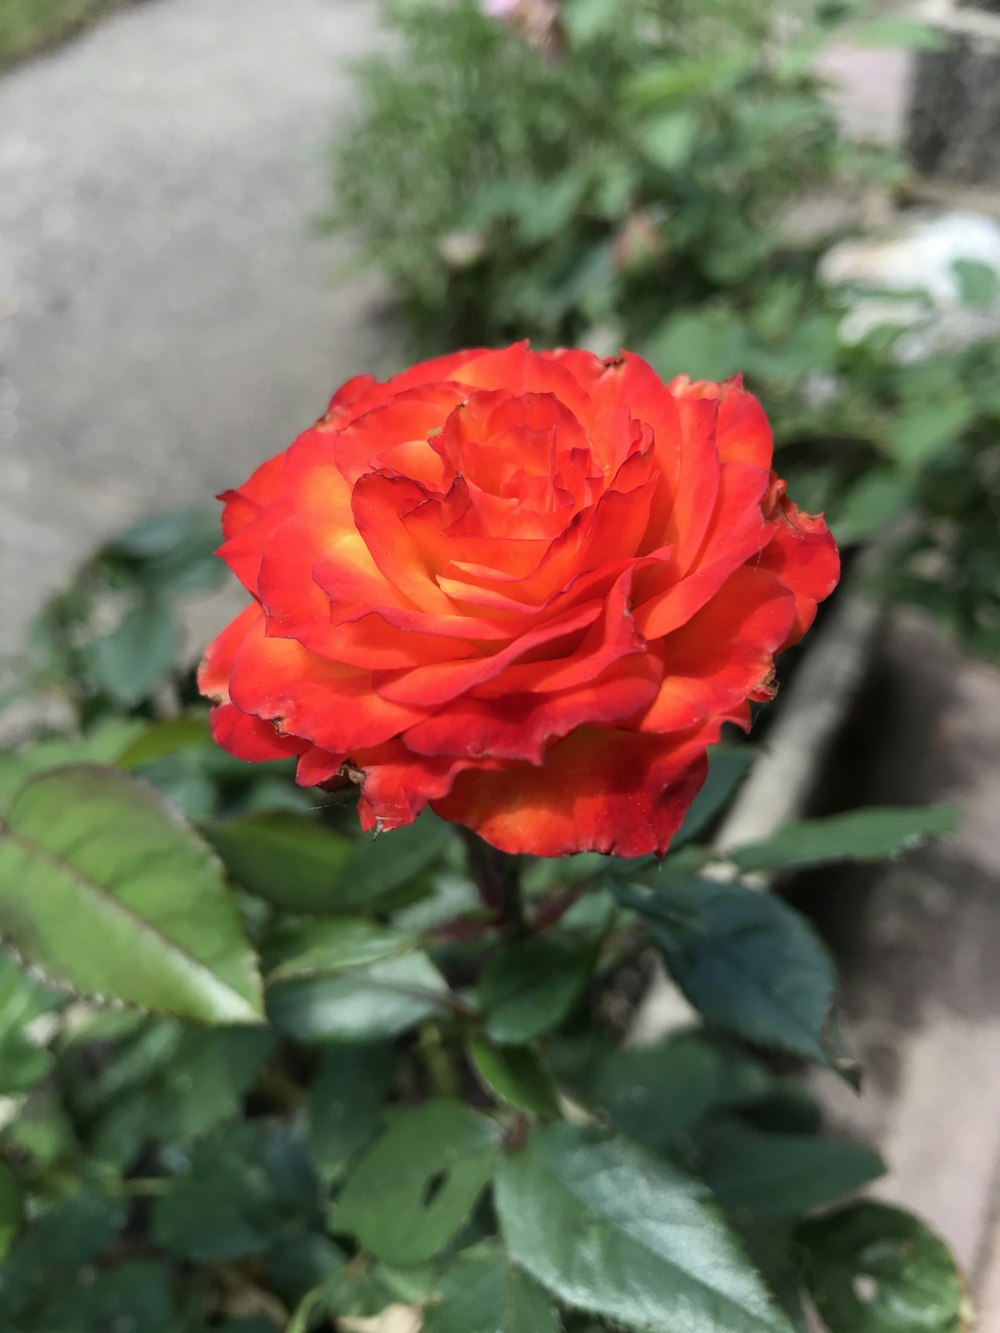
(524,588)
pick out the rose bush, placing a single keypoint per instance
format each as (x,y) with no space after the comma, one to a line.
(344,1074)
(525,588)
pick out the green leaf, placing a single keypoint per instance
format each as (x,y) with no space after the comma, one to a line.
(143,1050)
(746,961)
(652,1094)
(784,1107)
(22,1062)
(665,81)
(130,662)
(669,138)
(608,1229)
(346,1102)
(413,1190)
(546,208)
(775,1175)
(380,867)
(708,343)
(53,1250)
(299,1262)
(528,989)
(858,835)
(927,429)
(244,1188)
(482,1293)
(774,1255)
(364,1004)
(132,1297)
(728,765)
(255,1324)
(42,1133)
(297,863)
(516,1075)
(103,745)
(589,20)
(103,887)
(871,503)
(875,1269)
(294,861)
(174,551)
(910,34)
(163,534)
(323,1299)
(164,739)
(300,949)
(22,999)
(202,1084)
(978,283)
(11,1208)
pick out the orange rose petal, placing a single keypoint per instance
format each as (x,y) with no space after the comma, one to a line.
(371,642)
(318,767)
(327,703)
(379,504)
(244,504)
(312,479)
(244,551)
(441,682)
(751,614)
(317,576)
(698,481)
(250,738)
(597,538)
(663,602)
(518,370)
(522,726)
(804,555)
(737,531)
(621,388)
(610,638)
(285,584)
(607,791)
(738,528)
(493,434)
(349,393)
(364,393)
(396,784)
(743,433)
(397,427)
(528,588)
(217,664)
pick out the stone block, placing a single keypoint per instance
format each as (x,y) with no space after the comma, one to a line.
(953,118)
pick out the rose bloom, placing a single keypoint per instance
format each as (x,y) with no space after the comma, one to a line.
(524,588)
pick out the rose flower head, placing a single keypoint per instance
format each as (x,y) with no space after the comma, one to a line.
(524,588)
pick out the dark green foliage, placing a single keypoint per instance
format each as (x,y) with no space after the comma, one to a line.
(331,1082)
(750,964)
(875,1269)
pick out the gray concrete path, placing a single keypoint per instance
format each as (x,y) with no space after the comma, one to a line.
(917,943)
(167,315)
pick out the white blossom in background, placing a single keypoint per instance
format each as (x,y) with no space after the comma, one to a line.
(909,279)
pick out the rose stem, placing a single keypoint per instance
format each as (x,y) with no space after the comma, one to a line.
(497,876)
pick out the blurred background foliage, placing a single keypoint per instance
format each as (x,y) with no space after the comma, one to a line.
(27,26)
(666,175)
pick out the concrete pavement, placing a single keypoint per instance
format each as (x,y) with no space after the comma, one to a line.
(168,316)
